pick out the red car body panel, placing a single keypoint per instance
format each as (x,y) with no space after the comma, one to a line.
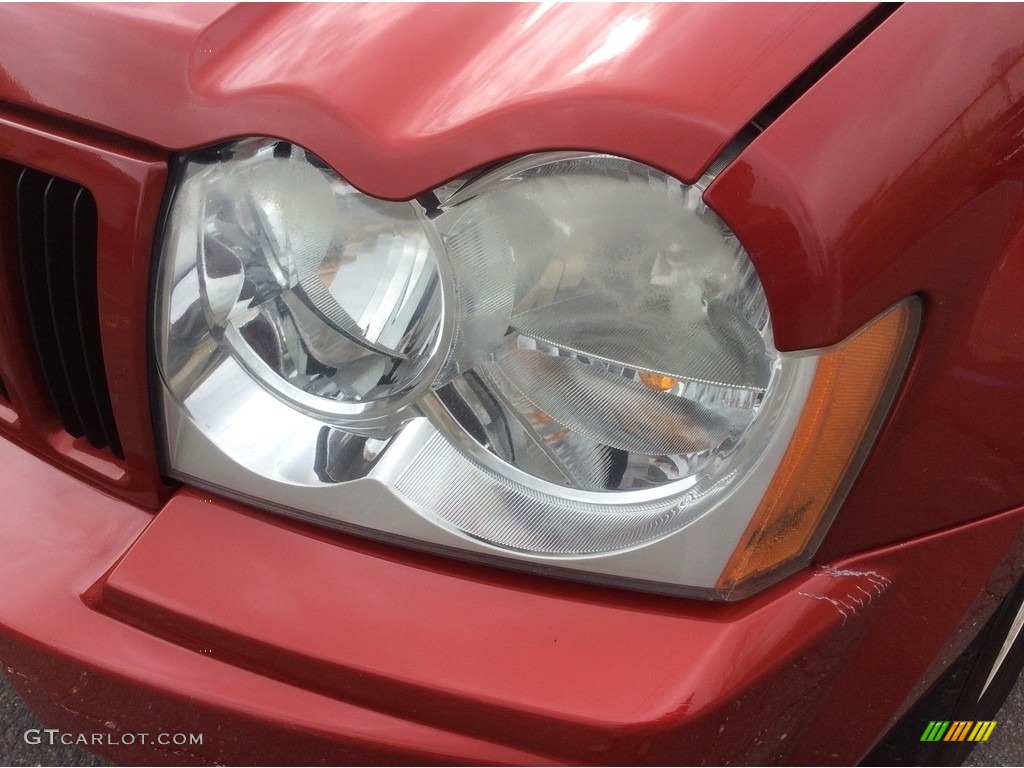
(901,173)
(284,643)
(402,97)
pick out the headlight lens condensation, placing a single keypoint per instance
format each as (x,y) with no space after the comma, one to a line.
(565,361)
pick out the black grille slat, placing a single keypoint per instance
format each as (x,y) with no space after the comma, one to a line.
(57,228)
(58,242)
(32,186)
(87,314)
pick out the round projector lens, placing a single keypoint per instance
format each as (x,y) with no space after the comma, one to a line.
(329,297)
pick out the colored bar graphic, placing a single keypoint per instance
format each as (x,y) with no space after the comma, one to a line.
(958,730)
(935,731)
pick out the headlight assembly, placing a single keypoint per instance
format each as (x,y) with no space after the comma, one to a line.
(564,363)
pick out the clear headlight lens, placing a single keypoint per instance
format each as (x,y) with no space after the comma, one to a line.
(329,298)
(633,348)
(565,361)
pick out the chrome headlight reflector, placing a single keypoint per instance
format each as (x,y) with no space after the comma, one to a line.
(328,298)
(564,362)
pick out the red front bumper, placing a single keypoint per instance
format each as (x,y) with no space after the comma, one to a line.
(286,644)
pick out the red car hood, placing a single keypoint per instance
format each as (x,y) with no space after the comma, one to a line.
(401,98)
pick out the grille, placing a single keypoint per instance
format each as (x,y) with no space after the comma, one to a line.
(56,234)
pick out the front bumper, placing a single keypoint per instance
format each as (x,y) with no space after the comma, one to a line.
(286,644)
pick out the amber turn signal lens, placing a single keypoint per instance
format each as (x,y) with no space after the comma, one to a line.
(852,390)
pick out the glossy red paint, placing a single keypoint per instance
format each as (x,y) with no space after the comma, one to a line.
(402,97)
(80,668)
(327,648)
(288,644)
(901,173)
(127,184)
